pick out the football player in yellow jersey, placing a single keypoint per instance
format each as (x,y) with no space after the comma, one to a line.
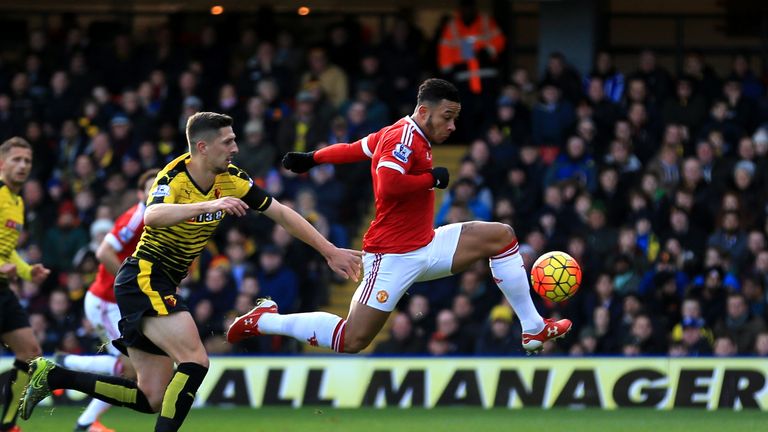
(15,332)
(188,200)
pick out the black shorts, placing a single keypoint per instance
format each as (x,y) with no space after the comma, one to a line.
(143,289)
(12,315)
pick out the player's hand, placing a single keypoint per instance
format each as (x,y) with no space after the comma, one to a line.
(9,270)
(231,205)
(441,176)
(39,273)
(299,162)
(347,263)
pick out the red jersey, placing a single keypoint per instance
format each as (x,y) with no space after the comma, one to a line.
(404,221)
(123,238)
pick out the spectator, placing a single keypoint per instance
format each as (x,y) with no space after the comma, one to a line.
(402,339)
(303,130)
(575,164)
(643,336)
(656,78)
(693,339)
(564,77)
(63,240)
(276,280)
(724,347)
(686,107)
(257,156)
(500,337)
(331,78)
(551,117)
(739,325)
(761,344)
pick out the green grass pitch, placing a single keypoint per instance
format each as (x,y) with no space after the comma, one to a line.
(46,419)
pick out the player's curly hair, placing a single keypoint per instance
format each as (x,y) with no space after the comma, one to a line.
(201,125)
(434,90)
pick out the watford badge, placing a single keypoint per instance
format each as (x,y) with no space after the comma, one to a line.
(170,300)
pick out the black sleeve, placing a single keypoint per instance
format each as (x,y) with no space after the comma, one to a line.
(257,199)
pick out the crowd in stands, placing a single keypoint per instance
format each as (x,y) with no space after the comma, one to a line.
(655,182)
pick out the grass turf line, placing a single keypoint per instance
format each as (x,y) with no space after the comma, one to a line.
(47,419)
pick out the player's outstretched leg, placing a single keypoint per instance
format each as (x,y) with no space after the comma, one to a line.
(45,375)
(498,243)
(100,364)
(315,328)
(323,329)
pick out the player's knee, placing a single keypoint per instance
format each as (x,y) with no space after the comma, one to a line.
(198,356)
(499,235)
(506,232)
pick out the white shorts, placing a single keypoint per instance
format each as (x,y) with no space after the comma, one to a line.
(104,316)
(386,277)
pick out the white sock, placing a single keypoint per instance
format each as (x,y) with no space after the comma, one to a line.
(99,364)
(92,412)
(509,273)
(315,328)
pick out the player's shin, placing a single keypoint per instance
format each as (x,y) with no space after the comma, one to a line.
(509,273)
(113,390)
(13,391)
(179,396)
(315,328)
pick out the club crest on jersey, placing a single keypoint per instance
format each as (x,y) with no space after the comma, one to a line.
(12,224)
(162,191)
(217,193)
(402,153)
(382,296)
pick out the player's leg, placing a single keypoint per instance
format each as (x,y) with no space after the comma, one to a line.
(385,278)
(104,316)
(176,334)
(25,347)
(498,243)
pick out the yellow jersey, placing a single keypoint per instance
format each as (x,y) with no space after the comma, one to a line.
(11,224)
(173,248)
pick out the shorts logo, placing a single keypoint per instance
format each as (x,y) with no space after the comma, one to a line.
(402,153)
(170,300)
(382,296)
(162,191)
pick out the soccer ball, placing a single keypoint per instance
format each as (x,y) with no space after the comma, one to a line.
(556,276)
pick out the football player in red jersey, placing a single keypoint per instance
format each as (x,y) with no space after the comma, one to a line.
(101,307)
(401,246)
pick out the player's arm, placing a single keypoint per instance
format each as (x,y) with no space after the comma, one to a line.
(163,211)
(107,255)
(35,272)
(164,215)
(341,153)
(345,262)
(394,178)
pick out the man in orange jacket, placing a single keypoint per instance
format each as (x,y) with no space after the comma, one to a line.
(468,54)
